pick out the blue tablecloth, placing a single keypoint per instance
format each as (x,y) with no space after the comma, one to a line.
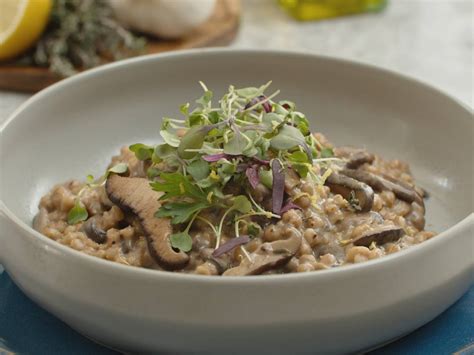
(27,329)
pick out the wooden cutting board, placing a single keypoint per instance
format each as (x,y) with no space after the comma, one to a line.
(219,30)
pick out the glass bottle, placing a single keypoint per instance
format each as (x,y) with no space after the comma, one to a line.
(306,10)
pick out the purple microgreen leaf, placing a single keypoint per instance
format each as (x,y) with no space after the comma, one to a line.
(214,157)
(290,205)
(252,175)
(251,103)
(267,107)
(278,189)
(261,161)
(230,245)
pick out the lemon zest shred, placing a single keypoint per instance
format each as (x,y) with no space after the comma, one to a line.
(326,174)
(213,175)
(209,196)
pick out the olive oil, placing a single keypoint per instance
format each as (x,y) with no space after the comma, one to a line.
(306,10)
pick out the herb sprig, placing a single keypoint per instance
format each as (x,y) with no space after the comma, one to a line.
(81,34)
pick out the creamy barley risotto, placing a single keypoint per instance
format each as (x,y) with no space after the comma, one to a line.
(239,187)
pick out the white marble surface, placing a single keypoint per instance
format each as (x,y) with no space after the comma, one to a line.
(429,39)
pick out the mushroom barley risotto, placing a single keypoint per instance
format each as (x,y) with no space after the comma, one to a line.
(239,188)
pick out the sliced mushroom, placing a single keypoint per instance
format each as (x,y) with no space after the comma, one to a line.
(378,183)
(356,157)
(222,262)
(359,158)
(267,256)
(355,220)
(351,189)
(380,235)
(421,191)
(93,231)
(418,190)
(417,216)
(135,195)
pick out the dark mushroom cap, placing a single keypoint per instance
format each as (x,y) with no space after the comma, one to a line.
(355,156)
(222,262)
(348,188)
(379,235)
(135,195)
(93,231)
(379,183)
(267,256)
(420,193)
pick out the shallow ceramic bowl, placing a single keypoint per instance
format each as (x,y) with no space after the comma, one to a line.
(73,128)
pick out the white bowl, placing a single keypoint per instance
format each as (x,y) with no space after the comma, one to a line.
(73,128)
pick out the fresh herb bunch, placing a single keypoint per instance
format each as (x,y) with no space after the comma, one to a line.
(81,34)
(245,140)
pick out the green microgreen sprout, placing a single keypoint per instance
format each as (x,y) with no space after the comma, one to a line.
(78,213)
(183,240)
(241,204)
(205,220)
(237,234)
(260,211)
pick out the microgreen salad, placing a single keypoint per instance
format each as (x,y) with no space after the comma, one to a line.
(244,138)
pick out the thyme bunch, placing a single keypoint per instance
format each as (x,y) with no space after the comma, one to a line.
(82,34)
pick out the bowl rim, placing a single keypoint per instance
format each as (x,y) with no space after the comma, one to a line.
(446,235)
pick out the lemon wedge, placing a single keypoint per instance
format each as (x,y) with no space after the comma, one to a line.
(21,24)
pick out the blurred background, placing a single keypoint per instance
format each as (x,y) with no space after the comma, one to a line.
(43,41)
(428,39)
